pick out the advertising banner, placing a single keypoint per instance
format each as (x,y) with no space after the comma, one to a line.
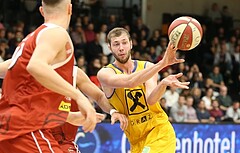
(191,138)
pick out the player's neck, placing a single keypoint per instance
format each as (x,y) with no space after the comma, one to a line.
(127,67)
(57,21)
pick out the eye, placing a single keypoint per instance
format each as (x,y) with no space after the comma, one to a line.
(115,44)
(124,43)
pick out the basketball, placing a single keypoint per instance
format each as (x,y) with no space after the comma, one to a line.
(185,33)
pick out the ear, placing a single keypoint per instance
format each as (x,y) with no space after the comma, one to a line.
(131,44)
(109,46)
(70,9)
(41,10)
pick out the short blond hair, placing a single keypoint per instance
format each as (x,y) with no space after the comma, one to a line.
(116,32)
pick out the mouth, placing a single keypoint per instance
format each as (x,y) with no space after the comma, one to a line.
(121,55)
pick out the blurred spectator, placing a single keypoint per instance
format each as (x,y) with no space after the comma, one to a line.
(224,99)
(216,78)
(103,42)
(90,33)
(191,112)
(2,33)
(235,90)
(162,46)
(195,77)
(94,49)
(171,95)
(203,114)
(216,111)
(103,33)
(112,22)
(155,38)
(85,22)
(93,67)
(142,48)
(81,63)
(164,106)
(152,54)
(104,60)
(224,60)
(3,49)
(208,97)
(178,111)
(221,34)
(209,53)
(214,14)
(182,68)
(2,26)
(138,26)
(78,37)
(232,44)
(227,18)
(233,112)
(196,94)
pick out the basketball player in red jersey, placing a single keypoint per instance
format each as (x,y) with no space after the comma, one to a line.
(65,135)
(38,83)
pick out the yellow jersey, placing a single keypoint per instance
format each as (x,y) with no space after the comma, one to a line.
(132,102)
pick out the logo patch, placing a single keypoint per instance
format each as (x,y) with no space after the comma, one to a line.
(136,101)
(146,149)
(64,106)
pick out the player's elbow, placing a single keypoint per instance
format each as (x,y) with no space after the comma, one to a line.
(151,102)
(32,68)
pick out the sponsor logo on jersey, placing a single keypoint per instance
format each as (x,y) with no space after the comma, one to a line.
(136,101)
(64,106)
(146,149)
(142,119)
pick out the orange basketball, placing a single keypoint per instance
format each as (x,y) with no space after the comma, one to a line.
(185,33)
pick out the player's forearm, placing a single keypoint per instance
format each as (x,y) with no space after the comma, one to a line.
(99,97)
(75,118)
(103,103)
(157,93)
(142,76)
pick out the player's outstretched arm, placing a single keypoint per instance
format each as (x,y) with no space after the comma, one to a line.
(159,90)
(48,51)
(93,92)
(108,78)
(77,118)
(88,88)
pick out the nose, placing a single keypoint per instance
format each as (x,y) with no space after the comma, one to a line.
(121,47)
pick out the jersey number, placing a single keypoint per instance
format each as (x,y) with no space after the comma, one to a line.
(18,51)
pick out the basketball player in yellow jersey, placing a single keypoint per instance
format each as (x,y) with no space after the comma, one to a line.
(132,89)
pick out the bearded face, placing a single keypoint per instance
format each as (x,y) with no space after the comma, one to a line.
(121,48)
(124,59)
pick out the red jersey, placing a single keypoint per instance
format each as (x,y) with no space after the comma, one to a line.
(66,133)
(26,105)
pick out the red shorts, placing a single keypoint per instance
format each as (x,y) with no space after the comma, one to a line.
(69,147)
(40,141)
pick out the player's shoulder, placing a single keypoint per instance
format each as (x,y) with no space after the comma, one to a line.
(106,70)
(54,33)
(144,63)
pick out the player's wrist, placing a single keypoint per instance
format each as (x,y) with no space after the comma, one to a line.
(112,111)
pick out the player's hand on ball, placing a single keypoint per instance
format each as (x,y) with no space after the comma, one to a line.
(169,57)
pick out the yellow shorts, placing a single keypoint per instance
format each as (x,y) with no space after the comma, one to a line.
(161,139)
